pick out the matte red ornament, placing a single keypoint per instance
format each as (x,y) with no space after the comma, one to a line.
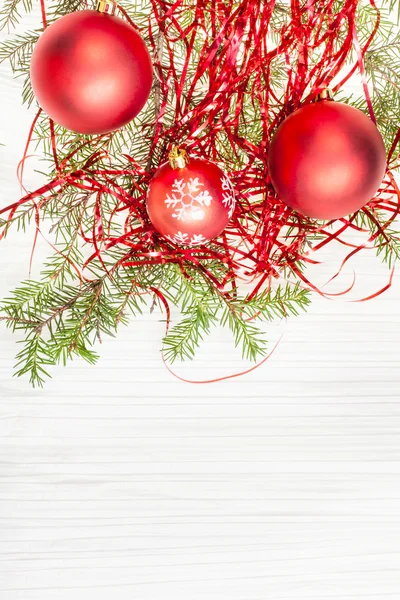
(91,72)
(190,205)
(327,160)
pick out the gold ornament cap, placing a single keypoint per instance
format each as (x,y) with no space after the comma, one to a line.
(325,94)
(106,6)
(178,158)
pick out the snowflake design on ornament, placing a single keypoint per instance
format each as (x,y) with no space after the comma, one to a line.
(228,198)
(198,240)
(182,239)
(187,199)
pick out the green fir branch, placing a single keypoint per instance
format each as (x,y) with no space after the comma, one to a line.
(386,241)
(203,310)
(34,359)
(10,13)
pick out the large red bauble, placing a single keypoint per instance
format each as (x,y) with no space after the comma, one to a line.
(327,160)
(192,205)
(91,72)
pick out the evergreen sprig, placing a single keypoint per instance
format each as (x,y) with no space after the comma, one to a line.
(203,309)
(10,14)
(385,240)
(62,321)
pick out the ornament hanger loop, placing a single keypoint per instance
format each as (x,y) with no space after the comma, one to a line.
(106,6)
(178,158)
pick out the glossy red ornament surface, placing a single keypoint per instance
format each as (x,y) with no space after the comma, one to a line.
(91,72)
(327,160)
(192,205)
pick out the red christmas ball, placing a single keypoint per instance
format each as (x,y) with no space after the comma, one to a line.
(190,205)
(327,160)
(91,72)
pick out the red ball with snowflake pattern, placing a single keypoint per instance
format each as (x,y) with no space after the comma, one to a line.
(190,201)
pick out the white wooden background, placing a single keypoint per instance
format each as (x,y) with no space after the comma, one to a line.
(119,481)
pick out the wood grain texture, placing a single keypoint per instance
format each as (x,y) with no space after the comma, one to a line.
(119,481)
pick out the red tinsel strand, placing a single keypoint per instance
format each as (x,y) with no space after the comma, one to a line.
(43,11)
